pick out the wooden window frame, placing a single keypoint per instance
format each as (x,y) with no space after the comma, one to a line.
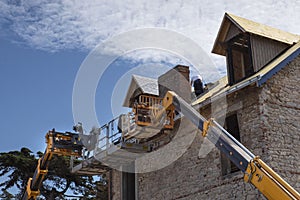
(245,48)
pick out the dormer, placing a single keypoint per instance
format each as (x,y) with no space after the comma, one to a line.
(249,46)
(140,85)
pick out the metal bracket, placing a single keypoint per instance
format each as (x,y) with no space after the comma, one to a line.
(206,125)
(31,193)
(41,171)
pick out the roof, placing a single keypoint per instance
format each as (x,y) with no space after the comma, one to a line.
(147,85)
(141,85)
(248,26)
(216,88)
(222,88)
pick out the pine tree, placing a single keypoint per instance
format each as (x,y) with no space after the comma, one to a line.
(17,166)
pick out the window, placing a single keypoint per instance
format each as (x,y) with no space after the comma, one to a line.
(232,126)
(239,59)
(128,186)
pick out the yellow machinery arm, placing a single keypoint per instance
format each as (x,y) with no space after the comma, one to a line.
(256,172)
(268,182)
(63,144)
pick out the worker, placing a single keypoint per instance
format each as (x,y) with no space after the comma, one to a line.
(120,123)
(197,83)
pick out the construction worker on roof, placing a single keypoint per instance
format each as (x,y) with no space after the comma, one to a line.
(197,83)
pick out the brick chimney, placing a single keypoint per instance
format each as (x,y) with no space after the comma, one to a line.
(177,80)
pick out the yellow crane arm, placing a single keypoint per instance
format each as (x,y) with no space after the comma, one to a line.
(63,144)
(268,181)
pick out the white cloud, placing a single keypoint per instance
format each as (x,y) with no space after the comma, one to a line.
(68,24)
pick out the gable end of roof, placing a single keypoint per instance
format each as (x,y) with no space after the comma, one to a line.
(278,67)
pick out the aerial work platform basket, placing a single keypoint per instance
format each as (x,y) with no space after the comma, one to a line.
(146,109)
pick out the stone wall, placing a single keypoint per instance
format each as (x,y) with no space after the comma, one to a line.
(280,110)
(116,185)
(191,177)
(269,127)
(177,80)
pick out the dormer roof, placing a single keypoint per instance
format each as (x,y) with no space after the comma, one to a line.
(140,85)
(233,25)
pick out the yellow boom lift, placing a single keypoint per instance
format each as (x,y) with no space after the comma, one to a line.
(63,144)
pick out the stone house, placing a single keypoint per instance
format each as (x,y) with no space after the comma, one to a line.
(258,102)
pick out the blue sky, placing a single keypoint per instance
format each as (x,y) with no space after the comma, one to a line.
(43,44)
(36,94)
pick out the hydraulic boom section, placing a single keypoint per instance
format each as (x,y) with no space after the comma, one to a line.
(62,144)
(256,172)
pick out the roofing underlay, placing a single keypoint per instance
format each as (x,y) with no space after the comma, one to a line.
(248,26)
(264,30)
(222,88)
